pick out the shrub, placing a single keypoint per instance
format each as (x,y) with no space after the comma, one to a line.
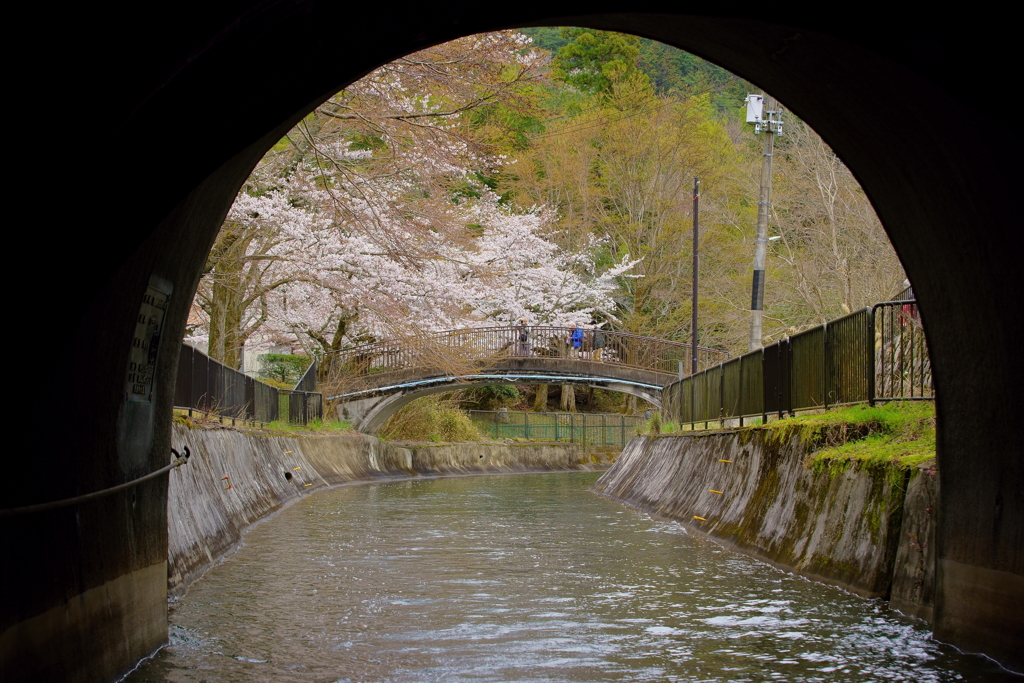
(430,419)
(285,368)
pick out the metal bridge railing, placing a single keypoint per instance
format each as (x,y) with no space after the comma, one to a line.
(877,353)
(212,388)
(460,351)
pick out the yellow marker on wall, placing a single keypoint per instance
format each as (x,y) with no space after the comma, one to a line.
(287,452)
(714,491)
(700,518)
(307,485)
(296,469)
(728,461)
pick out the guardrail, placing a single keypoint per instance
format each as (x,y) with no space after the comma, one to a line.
(460,351)
(874,354)
(209,387)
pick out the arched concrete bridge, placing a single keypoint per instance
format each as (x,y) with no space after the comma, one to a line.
(370,383)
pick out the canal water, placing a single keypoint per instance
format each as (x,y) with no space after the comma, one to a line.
(521,578)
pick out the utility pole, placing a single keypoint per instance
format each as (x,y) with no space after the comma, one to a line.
(763,113)
(696,270)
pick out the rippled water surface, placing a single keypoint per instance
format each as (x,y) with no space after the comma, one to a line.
(521,578)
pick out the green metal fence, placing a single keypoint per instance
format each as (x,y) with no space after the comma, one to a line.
(587,429)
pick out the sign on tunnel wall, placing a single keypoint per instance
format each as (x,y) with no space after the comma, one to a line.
(145,343)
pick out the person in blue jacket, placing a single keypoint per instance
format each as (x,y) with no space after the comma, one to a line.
(575,341)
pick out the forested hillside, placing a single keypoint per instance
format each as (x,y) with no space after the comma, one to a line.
(496,178)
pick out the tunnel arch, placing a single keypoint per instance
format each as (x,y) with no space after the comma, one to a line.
(885,95)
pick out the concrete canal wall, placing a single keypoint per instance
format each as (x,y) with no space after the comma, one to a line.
(235,479)
(868,529)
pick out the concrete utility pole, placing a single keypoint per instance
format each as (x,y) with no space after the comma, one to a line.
(762,112)
(696,271)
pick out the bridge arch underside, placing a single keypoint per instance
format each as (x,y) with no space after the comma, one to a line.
(898,103)
(368,411)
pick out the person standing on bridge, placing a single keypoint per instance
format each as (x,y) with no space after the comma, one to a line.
(597,342)
(522,333)
(575,341)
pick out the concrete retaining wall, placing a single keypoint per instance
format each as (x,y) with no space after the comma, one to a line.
(234,479)
(843,526)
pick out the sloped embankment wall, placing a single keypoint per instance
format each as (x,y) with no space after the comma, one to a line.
(840,526)
(234,479)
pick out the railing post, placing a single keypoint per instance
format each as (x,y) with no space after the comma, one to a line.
(871,355)
(764,387)
(826,373)
(721,397)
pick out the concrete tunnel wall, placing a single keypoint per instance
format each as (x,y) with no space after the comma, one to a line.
(169,108)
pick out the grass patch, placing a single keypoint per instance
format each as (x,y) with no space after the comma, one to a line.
(431,418)
(314,426)
(901,434)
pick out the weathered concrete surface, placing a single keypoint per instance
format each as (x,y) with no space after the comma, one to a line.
(913,582)
(235,479)
(126,615)
(841,527)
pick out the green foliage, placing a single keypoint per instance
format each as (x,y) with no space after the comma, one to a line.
(490,397)
(899,434)
(283,368)
(670,71)
(593,61)
(316,426)
(432,418)
(653,426)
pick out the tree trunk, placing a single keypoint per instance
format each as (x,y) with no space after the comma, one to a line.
(540,401)
(568,398)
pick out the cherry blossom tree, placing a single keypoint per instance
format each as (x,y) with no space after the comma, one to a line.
(374,215)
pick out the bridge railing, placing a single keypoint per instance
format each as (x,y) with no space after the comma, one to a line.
(874,354)
(462,351)
(207,386)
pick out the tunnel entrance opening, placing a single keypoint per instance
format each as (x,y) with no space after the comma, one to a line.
(943,183)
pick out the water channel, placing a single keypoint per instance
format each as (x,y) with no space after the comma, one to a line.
(521,578)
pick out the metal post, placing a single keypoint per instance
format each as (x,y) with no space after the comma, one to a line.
(826,374)
(696,271)
(764,383)
(871,356)
(761,244)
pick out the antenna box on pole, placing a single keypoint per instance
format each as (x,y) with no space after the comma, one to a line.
(755,108)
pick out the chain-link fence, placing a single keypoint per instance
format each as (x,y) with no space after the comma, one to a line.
(587,429)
